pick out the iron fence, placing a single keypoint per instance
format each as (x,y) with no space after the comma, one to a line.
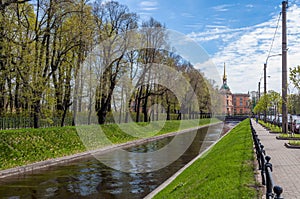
(18,122)
(264,165)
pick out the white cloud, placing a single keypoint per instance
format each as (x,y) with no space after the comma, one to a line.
(187,15)
(245,51)
(194,26)
(149,8)
(222,8)
(148,5)
(216,32)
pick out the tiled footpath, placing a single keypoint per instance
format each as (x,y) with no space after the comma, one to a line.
(285,161)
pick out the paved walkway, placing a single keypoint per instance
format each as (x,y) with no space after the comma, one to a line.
(285,161)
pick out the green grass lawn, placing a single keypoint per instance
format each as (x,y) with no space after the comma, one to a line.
(24,146)
(226,171)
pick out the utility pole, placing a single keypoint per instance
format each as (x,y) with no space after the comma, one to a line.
(258,97)
(265,91)
(259,90)
(284,70)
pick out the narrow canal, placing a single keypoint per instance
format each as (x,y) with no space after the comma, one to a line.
(89,178)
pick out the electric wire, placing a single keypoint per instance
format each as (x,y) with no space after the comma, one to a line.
(279,16)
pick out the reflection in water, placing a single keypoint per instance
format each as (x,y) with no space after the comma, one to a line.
(89,178)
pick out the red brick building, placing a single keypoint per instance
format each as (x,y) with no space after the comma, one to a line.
(241,104)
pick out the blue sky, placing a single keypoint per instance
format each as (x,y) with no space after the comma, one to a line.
(238,33)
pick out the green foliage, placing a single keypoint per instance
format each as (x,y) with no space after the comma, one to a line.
(262,104)
(295,76)
(294,104)
(45,48)
(271,99)
(226,171)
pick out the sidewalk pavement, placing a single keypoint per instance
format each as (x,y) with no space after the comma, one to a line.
(285,161)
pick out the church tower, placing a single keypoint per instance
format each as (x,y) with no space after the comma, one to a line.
(226,94)
(225,87)
(224,76)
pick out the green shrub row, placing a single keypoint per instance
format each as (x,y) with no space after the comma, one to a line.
(271,127)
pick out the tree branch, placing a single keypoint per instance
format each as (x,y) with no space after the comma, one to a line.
(4,5)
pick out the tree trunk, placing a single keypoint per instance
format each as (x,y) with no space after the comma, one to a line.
(121,106)
(80,91)
(2,88)
(138,104)
(102,112)
(168,112)
(2,64)
(90,111)
(67,99)
(145,105)
(62,123)
(76,87)
(36,113)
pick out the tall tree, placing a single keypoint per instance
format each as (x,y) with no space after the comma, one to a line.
(113,22)
(153,37)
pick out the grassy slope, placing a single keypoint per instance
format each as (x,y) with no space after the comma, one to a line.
(226,171)
(24,146)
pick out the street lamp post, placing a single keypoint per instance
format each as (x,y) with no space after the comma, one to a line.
(259,95)
(265,81)
(265,89)
(259,88)
(284,69)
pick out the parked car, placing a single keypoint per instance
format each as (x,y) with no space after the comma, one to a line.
(278,121)
(296,126)
(291,119)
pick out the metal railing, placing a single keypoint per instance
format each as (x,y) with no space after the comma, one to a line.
(264,165)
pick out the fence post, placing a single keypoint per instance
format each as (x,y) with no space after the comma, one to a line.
(262,159)
(278,191)
(269,183)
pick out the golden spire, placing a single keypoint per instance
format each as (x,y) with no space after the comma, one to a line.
(224,76)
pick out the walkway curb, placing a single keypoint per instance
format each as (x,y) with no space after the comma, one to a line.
(56,161)
(287,145)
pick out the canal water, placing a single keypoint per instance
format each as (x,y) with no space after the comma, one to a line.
(89,178)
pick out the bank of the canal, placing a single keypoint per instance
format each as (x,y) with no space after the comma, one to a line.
(90,178)
(43,146)
(225,171)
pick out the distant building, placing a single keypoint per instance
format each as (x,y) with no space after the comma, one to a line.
(227,106)
(241,104)
(233,104)
(254,99)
